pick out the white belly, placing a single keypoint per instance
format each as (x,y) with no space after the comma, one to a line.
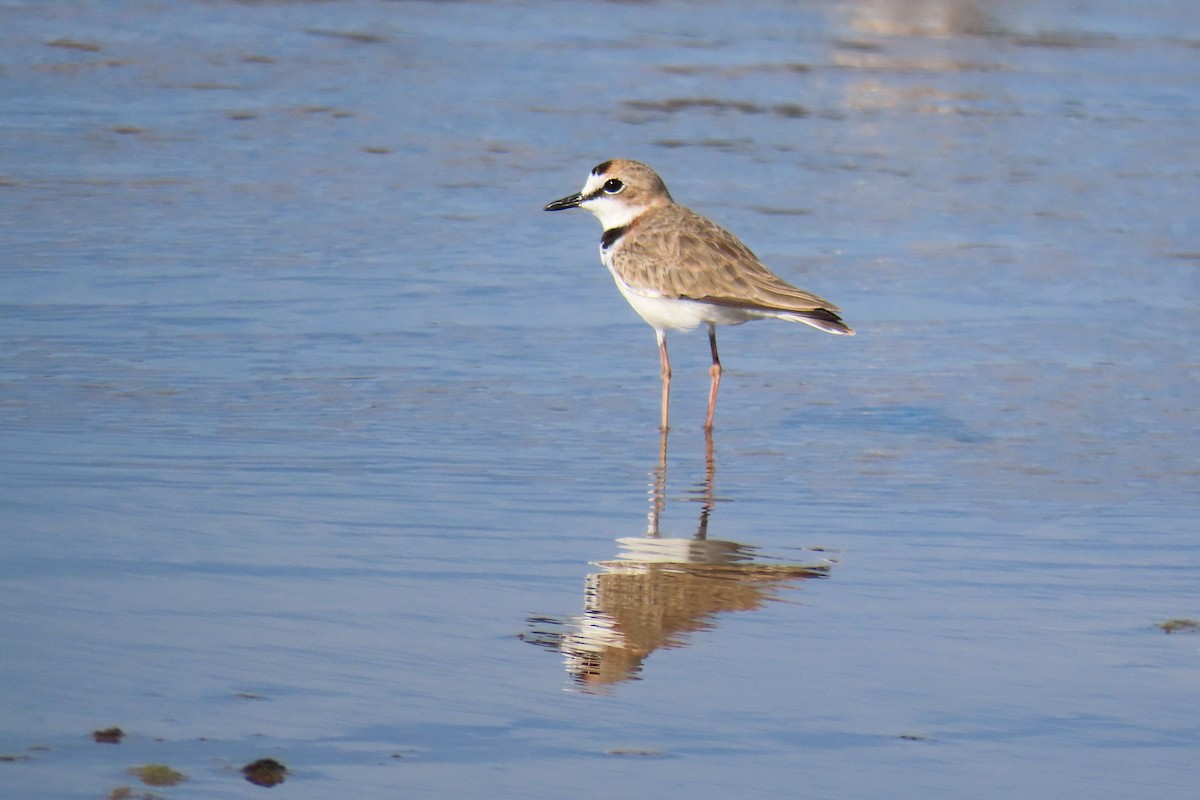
(669,313)
(672,313)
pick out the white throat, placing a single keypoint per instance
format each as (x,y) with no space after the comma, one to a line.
(610,209)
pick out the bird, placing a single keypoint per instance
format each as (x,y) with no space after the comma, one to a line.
(678,269)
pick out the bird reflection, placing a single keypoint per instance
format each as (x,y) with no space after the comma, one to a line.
(659,589)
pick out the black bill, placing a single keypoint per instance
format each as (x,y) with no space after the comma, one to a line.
(572,201)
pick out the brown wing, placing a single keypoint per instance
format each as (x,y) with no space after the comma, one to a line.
(675,252)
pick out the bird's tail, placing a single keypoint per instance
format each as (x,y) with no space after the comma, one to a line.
(821,319)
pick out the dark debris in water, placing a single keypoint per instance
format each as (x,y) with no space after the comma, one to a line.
(76,44)
(350,36)
(265,772)
(336,113)
(776,211)
(796,68)
(677,104)
(740,145)
(1065,40)
(112,735)
(1180,626)
(858,45)
(636,752)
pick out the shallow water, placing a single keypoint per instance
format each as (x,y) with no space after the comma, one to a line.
(321,442)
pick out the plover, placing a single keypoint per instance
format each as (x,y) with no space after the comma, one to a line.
(678,269)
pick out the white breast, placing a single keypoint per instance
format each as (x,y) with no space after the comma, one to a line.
(673,313)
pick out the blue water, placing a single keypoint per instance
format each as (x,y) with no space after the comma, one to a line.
(319,441)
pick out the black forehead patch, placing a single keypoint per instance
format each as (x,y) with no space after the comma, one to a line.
(600,169)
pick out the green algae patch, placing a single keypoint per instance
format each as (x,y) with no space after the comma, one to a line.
(157,775)
(129,793)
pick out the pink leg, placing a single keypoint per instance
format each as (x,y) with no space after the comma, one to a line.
(666,375)
(715,371)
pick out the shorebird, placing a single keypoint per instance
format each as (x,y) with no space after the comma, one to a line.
(678,269)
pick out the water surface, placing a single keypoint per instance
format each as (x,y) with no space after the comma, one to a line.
(313,426)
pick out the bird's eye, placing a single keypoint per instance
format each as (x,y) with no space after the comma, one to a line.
(612,186)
